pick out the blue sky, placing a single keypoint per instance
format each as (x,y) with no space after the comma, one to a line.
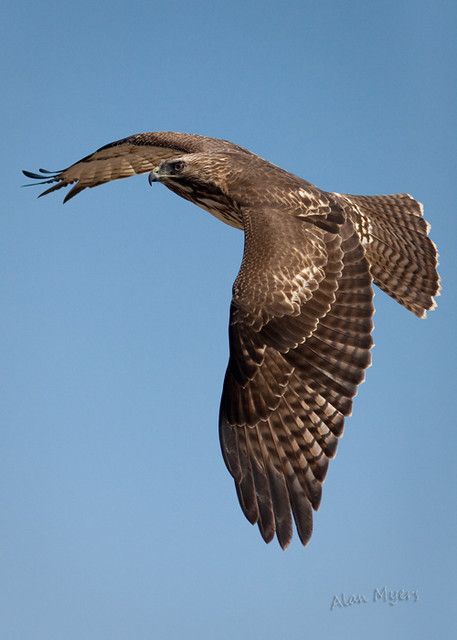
(119,519)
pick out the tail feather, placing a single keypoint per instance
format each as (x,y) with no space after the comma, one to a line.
(403,259)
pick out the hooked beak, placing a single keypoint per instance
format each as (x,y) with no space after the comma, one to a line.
(154,176)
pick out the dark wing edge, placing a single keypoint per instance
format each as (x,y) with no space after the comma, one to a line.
(123,158)
(283,408)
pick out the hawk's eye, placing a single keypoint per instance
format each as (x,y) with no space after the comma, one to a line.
(177,167)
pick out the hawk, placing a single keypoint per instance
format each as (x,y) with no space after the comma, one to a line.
(301,313)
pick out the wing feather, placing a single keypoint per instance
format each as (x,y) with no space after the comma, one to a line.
(139,153)
(307,344)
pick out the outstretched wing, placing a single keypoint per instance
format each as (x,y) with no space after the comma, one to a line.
(123,158)
(300,325)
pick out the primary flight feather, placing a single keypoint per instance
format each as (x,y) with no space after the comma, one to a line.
(301,314)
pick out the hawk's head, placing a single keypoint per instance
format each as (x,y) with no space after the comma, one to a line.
(200,170)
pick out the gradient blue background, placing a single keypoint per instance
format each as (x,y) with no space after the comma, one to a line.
(119,520)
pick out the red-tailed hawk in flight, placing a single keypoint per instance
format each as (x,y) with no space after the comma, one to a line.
(301,315)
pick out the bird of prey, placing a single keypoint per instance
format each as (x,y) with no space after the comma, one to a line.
(301,313)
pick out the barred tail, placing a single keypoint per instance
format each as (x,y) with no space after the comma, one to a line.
(402,259)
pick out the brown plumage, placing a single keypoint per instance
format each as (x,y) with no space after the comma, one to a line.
(301,315)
